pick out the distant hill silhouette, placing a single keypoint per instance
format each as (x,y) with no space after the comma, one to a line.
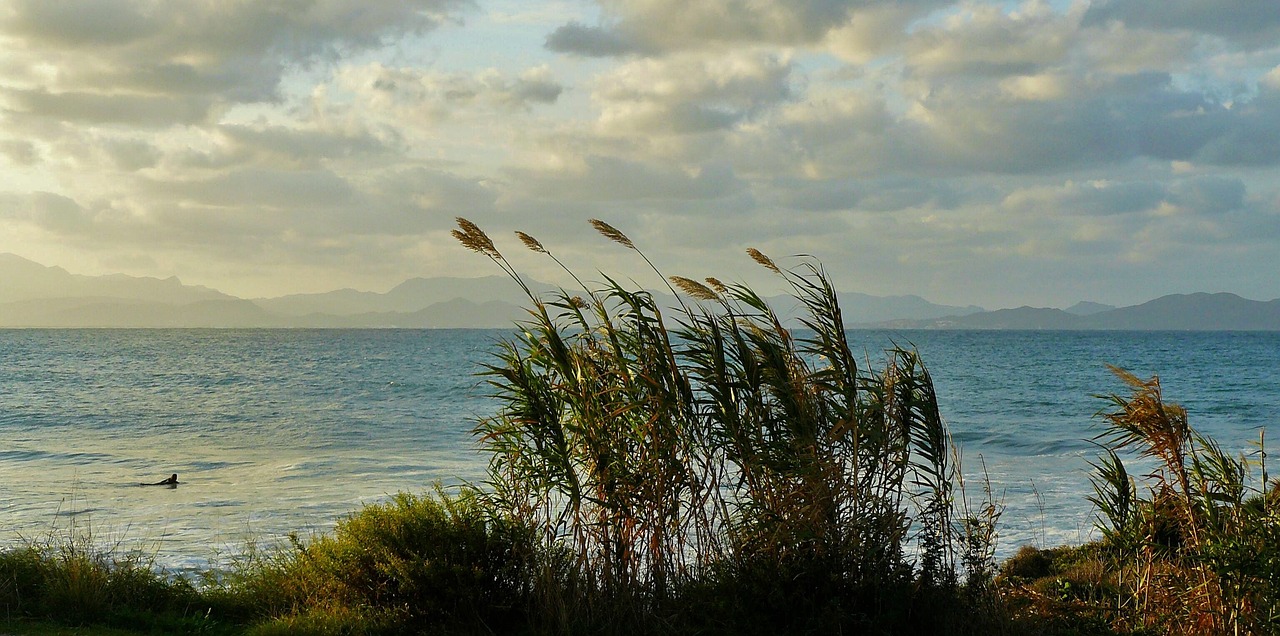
(33,295)
(1086,308)
(1175,312)
(1216,312)
(410,296)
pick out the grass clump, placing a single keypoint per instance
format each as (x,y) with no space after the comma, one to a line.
(73,580)
(1190,547)
(709,452)
(411,563)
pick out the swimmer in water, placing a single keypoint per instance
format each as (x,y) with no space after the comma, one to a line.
(171,481)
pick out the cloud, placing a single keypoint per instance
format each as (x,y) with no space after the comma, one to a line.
(1009,126)
(104,59)
(299,146)
(131,154)
(865,195)
(579,39)
(147,111)
(259,188)
(1209,195)
(602,178)
(49,211)
(985,40)
(1118,49)
(665,26)
(911,140)
(1251,23)
(875,29)
(429,97)
(690,93)
(85,23)
(20,151)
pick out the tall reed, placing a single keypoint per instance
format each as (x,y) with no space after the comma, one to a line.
(1194,554)
(659,447)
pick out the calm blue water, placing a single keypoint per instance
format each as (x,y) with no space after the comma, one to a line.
(273,431)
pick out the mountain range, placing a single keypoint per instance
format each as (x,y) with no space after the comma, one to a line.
(34,295)
(1175,312)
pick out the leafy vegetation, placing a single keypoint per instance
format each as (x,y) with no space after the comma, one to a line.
(72,578)
(1191,547)
(704,469)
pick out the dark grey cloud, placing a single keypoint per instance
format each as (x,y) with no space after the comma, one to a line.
(301,146)
(435,95)
(79,23)
(20,151)
(126,53)
(130,154)
(58,213)
(296,29)
(525,91)
(49,211)
(144,111)
(653,27)
(1251,22)
(591,41)
(1210,195)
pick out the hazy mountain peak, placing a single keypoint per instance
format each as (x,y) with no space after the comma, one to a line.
(32,295)
(1087,308)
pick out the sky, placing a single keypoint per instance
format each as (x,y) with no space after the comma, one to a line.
(991,153)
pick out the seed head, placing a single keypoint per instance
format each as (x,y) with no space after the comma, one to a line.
(612,233)
(531,243)
(693,288)
(474,238)
(759,257)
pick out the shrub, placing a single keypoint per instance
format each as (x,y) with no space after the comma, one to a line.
(413,561)
(71,579)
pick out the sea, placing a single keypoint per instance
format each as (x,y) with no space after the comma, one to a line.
(279,432)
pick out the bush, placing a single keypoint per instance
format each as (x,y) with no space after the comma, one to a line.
(72,580)
(412,561)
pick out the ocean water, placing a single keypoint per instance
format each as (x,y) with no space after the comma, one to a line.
(279,431)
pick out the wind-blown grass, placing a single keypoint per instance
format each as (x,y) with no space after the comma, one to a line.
(665,448)
(1191,547)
